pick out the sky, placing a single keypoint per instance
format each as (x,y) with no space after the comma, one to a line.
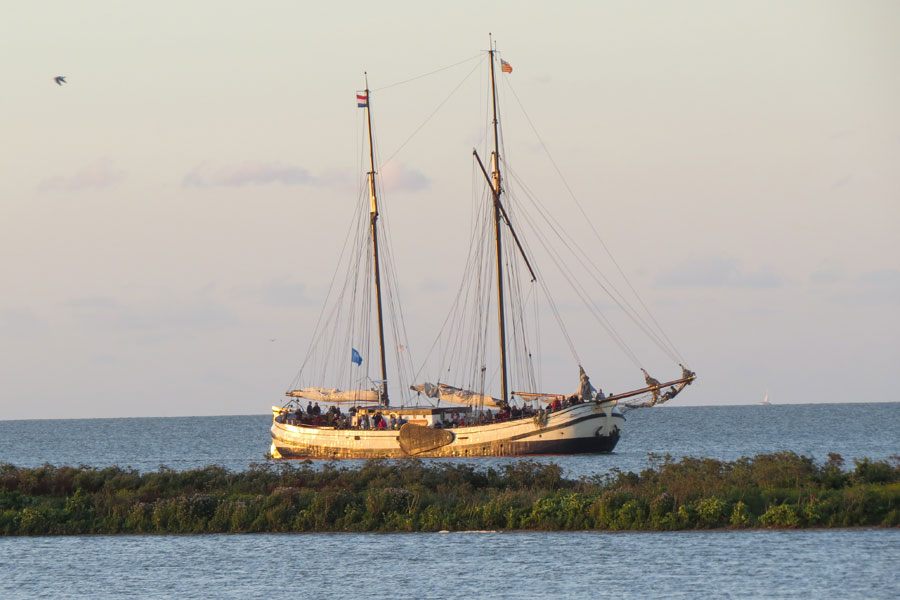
(170,218)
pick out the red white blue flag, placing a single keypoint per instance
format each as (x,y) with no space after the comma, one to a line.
(362,100)
(505,66)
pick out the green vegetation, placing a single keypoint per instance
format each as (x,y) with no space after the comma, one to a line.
(781,490)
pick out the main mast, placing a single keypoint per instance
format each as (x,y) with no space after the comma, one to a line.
(495,176)
(373,217)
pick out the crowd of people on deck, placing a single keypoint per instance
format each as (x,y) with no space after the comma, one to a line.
(511,412)
(334,417)
(314,416)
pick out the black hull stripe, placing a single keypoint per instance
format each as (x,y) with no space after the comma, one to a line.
(556,427)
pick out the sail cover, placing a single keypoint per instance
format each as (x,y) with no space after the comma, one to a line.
(455,395)
(334,395)
(429,389)
(585,390)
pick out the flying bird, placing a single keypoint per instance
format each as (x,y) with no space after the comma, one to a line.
(59,79)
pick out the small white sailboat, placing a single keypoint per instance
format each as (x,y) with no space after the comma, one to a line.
(766,401)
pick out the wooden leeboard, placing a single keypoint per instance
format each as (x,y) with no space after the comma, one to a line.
(415,439)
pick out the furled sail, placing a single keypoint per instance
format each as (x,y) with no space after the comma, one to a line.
(545,398)
(455,395)
(429,389)
(334,395)
(586,392)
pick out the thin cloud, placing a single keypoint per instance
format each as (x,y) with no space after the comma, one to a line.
(717,272)
(433,286)
(256,173)
(827,273)
(843,182)
(285,293)
(878,288)
(102,302)
(397,177)
(181,318)
(870,288)
(163,318)
(20,321)
(97,175)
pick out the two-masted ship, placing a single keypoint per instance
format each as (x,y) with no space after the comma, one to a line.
(441,419)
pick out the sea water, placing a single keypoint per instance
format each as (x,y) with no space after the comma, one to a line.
(746,564)
(858,563)
(864,430)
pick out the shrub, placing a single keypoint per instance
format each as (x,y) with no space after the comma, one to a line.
(380,502)
(631,515)
(14,500)
(712,512)
(140,518)
(741,515)
(781,516)
(874,472)
(774,490)
(662,513)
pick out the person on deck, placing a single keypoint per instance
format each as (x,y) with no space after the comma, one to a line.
(653,383)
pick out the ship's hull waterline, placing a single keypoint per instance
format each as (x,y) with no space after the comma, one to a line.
(582,428)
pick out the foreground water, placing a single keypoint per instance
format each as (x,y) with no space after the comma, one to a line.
(723,432)
(755,564)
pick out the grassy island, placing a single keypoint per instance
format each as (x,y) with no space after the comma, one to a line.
(782,490)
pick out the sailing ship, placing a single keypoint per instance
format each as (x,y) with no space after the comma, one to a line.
(455,420)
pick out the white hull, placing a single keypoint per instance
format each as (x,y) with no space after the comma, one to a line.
(588,427)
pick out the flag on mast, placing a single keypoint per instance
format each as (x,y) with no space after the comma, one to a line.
(362,100)
(505,66)
(355,357)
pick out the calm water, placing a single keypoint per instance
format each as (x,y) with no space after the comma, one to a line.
(724,432)
(754,564)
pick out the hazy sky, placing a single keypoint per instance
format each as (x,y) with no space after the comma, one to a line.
(181,200)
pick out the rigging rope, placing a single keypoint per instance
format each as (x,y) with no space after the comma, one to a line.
(671,349)
(434,112)
(417,77)
(573,281)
